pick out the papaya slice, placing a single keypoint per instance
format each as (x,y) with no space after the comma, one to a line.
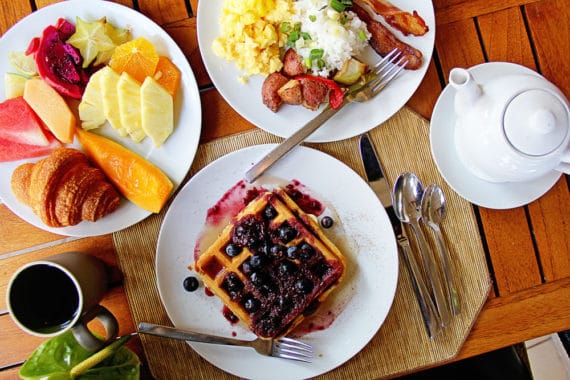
(136,178)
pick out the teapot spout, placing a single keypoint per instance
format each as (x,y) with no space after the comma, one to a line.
(467,90)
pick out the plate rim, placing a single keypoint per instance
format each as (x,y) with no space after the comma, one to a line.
(261,149)
(340,130)
(188,95)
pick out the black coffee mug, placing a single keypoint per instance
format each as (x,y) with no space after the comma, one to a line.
(49,297)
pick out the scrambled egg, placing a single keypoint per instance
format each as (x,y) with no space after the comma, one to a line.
(250,34)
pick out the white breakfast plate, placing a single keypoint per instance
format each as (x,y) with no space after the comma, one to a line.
(353,120)
(174,157)
(482,193)
(363,298)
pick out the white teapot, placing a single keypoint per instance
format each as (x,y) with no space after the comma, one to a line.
(511,128)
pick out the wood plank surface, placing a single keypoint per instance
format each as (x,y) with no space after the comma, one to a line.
(527,247)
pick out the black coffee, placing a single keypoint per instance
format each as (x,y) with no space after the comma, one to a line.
(44,298)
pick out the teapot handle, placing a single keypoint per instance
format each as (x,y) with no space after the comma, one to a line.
(564,165)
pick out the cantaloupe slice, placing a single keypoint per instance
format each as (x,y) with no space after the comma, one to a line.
(140,181)
(51,108)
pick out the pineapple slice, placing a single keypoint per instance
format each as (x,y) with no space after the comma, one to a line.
(23,64)
(110,98)
(14,85)
(91,112)
(157,111)
(130,106)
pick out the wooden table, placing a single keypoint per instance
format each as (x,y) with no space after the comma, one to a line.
(527,248)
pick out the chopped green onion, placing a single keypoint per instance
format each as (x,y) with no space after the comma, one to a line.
(315,57)
(305,35)
(285,27)
(337,5)
(340,5)
(362,35)
(313,18)
(316,54)
(293,36)
(343,19)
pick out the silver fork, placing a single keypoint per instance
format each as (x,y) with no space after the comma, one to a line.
(285,348)
(385,70)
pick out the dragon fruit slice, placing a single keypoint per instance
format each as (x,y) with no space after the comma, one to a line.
(58,63)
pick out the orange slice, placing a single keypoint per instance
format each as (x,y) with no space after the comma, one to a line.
(138,58)
(167,75)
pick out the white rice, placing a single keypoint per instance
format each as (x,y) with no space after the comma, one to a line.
(338,41)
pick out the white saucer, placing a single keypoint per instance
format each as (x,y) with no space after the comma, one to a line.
(482,193)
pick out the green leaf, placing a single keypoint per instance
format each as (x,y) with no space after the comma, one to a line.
(54,358)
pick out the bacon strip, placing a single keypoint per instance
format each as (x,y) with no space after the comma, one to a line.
(403,21)
(384,41)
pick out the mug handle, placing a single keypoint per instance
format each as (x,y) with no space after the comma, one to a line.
(86,338)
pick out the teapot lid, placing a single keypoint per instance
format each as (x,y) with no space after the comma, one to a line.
(536,122)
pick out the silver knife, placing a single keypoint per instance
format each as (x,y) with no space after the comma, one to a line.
(377,181)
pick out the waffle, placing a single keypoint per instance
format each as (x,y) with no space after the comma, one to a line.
(272,265)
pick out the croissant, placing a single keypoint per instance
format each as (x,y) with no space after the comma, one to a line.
(64,189)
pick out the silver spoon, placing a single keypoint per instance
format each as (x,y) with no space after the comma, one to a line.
(408,191)
(433,213)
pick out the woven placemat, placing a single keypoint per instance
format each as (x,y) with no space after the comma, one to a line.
(401,345)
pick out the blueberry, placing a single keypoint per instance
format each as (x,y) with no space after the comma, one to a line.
(304,285)
(249,232)
(256,261)
(327,222)
(286,233)
(287,267)
(190,283)
(306,251)
(258,278)
(251,304)
(277,251)
(321,268)
(293,252)
(265,248)
(240,230)
(232,283)
(233,250)
(246,268)
(269,212)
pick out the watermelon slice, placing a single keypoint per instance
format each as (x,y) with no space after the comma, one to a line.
(12,151)
(22,134)
(20,124)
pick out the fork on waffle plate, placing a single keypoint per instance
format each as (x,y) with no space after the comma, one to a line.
(285,348)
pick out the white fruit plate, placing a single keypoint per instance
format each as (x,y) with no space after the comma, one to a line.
(174,157)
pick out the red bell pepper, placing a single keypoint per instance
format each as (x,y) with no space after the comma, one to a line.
(336,95)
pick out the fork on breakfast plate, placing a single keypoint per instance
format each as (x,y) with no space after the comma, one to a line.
(285,348)
(383,73)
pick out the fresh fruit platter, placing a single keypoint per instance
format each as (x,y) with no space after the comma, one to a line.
(105,82)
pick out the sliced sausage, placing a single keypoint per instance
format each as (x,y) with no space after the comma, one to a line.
(270,88)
